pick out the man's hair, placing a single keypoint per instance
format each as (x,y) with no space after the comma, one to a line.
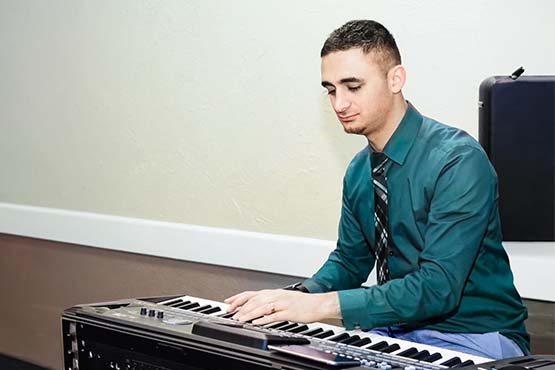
(368,35)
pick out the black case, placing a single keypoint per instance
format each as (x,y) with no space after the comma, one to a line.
(517,130)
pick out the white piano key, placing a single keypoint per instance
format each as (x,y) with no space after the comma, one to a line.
(201,301)
(404,344)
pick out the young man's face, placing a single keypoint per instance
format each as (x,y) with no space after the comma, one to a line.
(358,90)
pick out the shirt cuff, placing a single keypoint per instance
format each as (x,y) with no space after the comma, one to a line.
(352,303)
(314,287)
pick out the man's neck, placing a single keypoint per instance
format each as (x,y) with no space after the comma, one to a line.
(378,140)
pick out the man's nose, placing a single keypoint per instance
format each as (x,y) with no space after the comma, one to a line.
(341,103)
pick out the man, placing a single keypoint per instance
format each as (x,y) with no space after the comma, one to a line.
(420,204)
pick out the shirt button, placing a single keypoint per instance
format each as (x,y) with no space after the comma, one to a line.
(391,253)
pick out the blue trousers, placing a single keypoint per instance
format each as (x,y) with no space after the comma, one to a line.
(491,345)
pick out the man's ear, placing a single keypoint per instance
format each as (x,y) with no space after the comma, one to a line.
(396,78)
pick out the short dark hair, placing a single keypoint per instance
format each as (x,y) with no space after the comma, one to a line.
(368,35)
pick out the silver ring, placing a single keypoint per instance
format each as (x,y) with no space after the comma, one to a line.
(272,308)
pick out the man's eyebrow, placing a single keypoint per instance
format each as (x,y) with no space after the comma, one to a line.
(343,81)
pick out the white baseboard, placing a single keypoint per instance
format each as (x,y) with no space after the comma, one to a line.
(532,263)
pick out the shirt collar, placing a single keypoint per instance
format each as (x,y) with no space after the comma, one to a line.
(398,146)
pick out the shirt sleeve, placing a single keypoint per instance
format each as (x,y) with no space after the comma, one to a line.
(349,265)
(464,197)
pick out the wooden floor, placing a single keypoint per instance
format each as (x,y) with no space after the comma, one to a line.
(10,363)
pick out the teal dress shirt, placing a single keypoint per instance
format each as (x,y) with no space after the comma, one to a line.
(449,270)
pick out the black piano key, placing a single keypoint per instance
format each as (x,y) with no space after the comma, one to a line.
(175,301)
(420,355)
(325,334)
(227,315)
(466,363)
(188,306)
(201,308)
(277,325)
(391,348)
(408,352)
(361,342)
(181,304)
(298,329)
(289,326)
(452,362)
(350,340)
(313,332)
(433,357)
(211,310)
(379,346)
(339,337)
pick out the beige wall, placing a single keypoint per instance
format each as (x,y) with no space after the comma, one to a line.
(210,112)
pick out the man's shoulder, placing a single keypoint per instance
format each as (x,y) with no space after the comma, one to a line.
(360,159)
(358,165)
(437,137)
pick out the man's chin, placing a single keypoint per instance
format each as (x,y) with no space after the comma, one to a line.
(353,130)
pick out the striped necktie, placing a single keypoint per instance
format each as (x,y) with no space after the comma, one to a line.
(379,181)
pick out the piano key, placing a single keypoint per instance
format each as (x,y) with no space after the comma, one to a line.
(312,332)
(452,362)
(433,357)
(339,337)
(298,329)
(289,326)
(350,340)
(420,355)
(324,335)
(174,302)
(211,310)
(465,363)
(201,308)
(391,348)
(378,346)
(189,306)
(202,302)
(361,342)
(407,352)
(227,315)
(277,325)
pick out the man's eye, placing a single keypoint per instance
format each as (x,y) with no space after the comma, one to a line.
(331,92)
(354,88)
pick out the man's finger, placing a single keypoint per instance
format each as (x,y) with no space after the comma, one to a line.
(238,300)
(277,316)
(255,312)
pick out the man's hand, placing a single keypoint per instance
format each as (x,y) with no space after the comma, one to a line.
(271,305)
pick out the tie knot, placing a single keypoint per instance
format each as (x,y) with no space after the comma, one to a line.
(378,162)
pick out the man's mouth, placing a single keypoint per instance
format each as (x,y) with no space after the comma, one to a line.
(348,118)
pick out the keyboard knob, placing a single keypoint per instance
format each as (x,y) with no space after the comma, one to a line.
(143,311)
(151,313)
